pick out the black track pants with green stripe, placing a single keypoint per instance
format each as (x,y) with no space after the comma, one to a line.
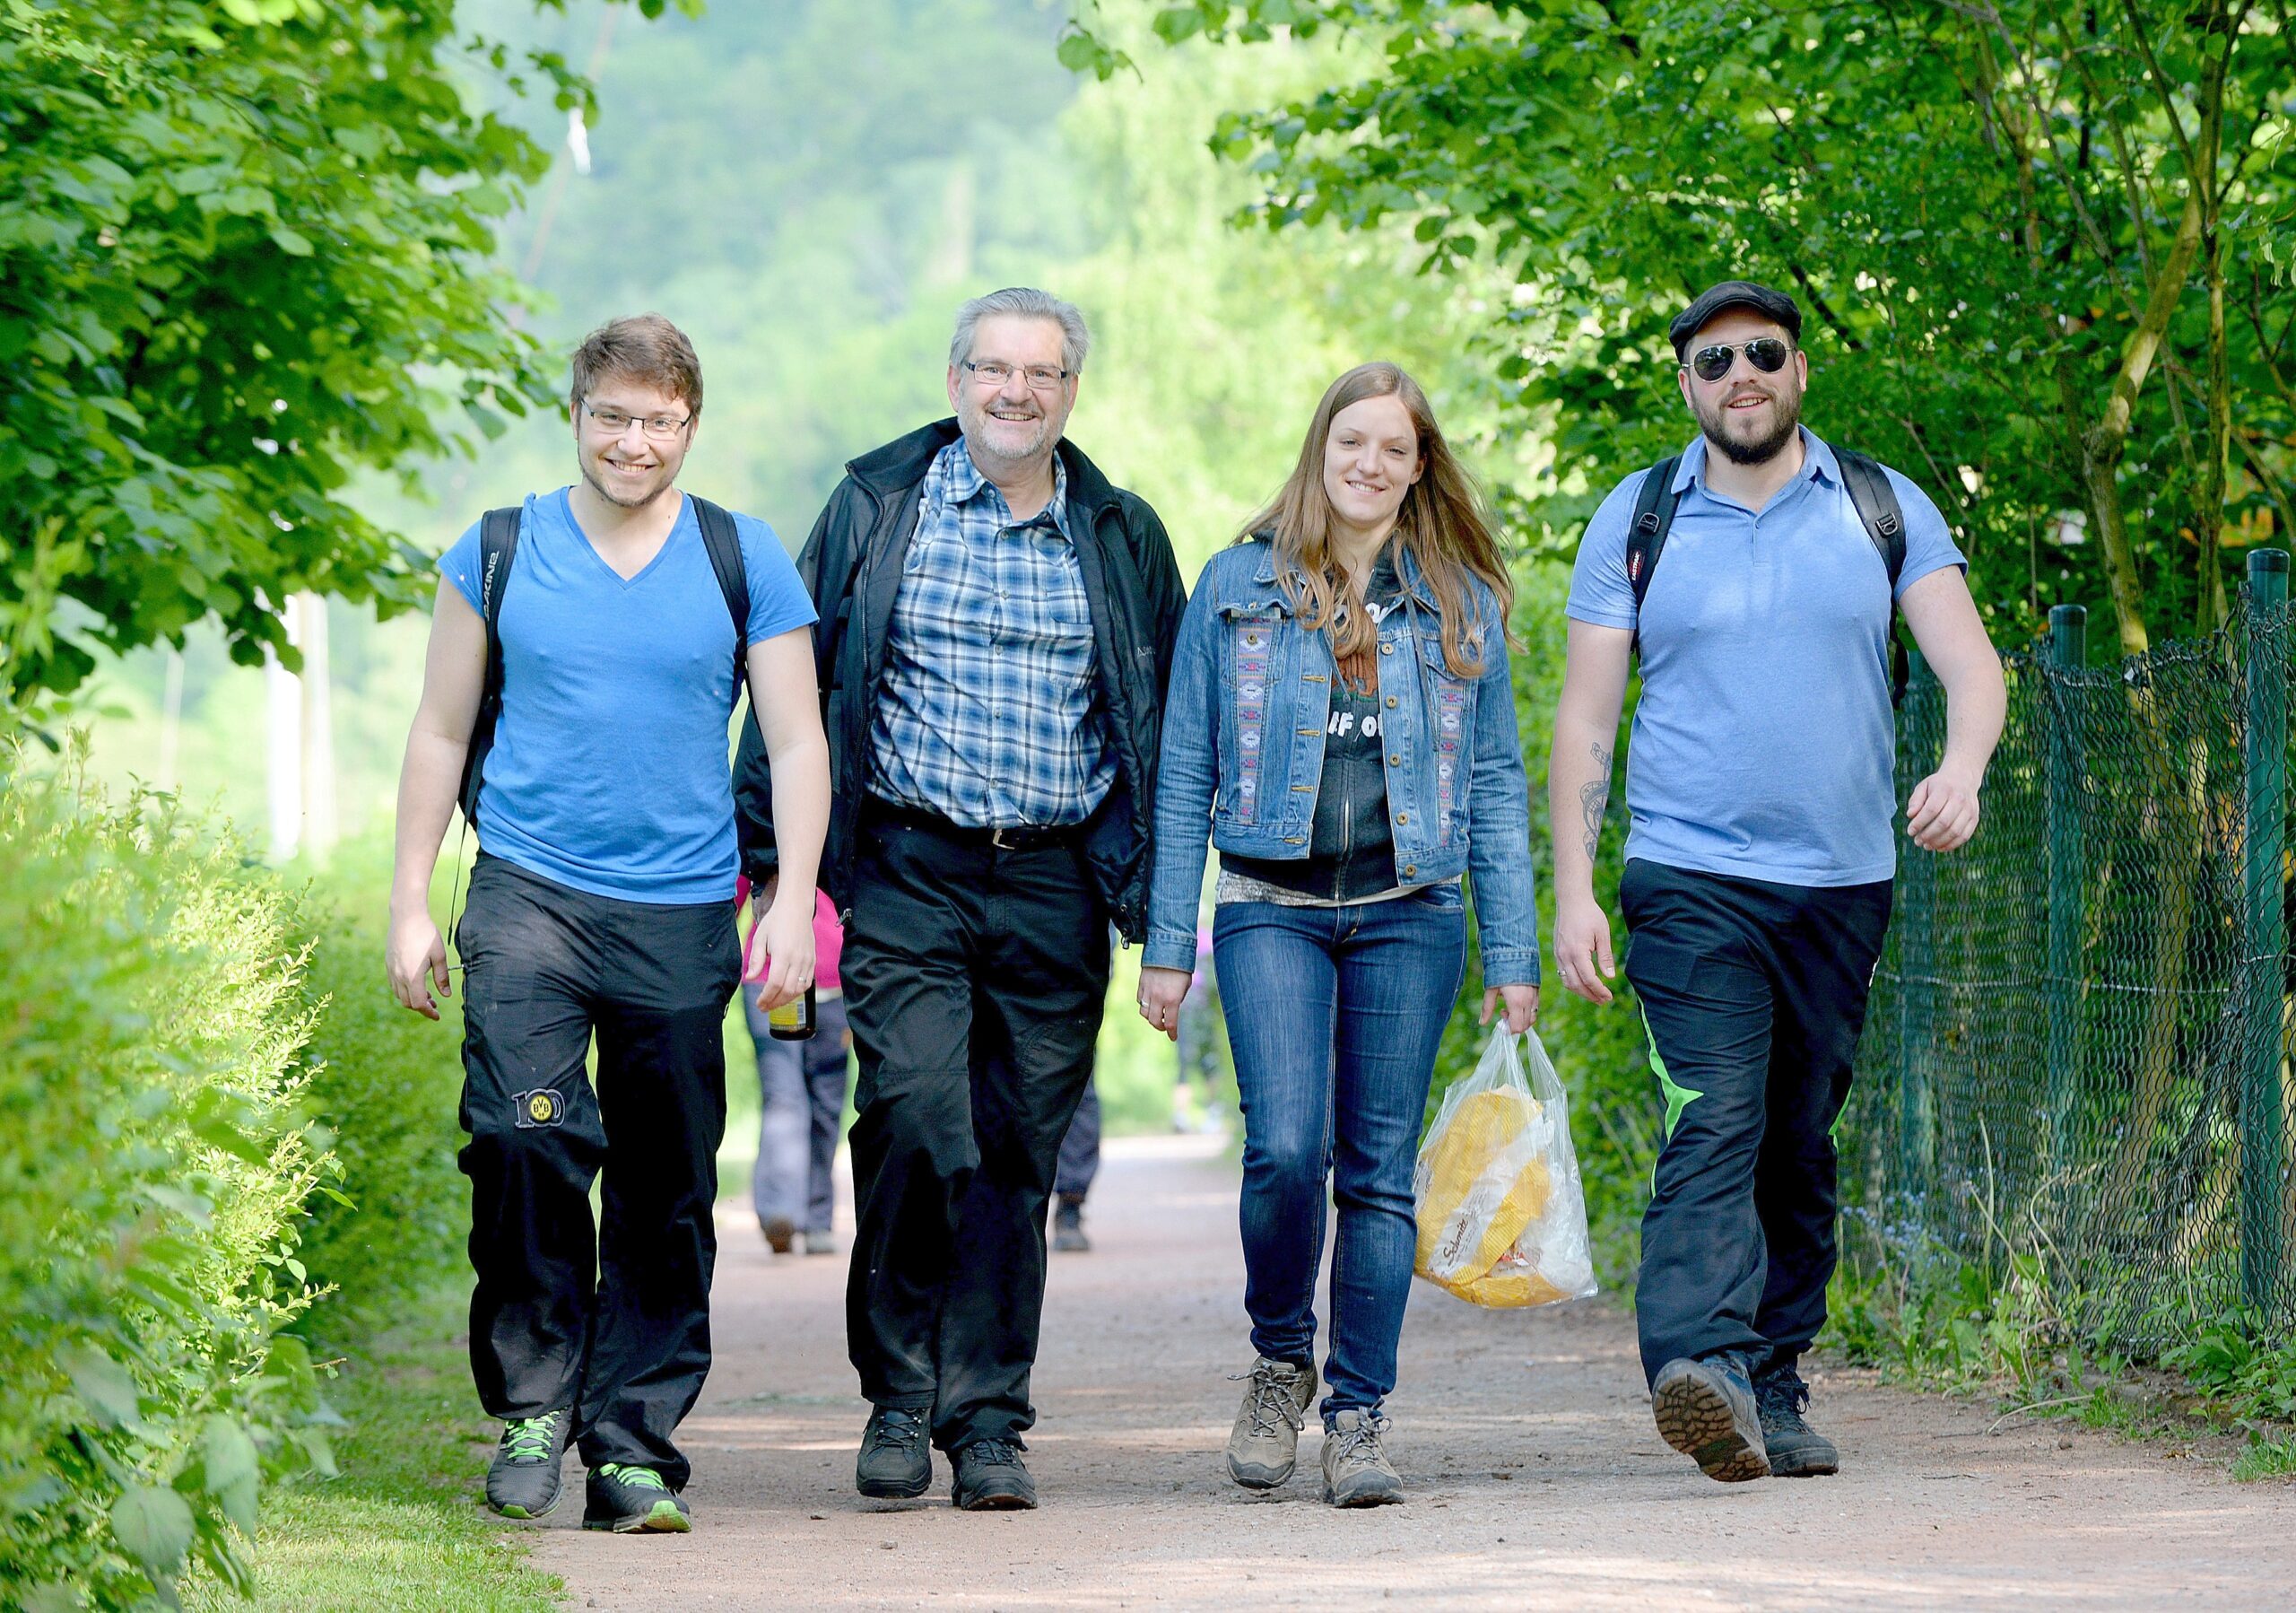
(1754,995)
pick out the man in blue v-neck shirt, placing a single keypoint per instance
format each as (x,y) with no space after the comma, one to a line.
(1760,858)
(603,903)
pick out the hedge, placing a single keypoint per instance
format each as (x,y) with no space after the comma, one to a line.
(155,1156)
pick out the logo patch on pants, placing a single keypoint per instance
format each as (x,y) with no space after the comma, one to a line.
(540,1107)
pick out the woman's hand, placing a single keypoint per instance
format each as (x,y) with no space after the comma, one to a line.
(786,936)
(1161,991)
(1522,1004)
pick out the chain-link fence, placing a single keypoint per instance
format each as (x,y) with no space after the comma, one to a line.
(2077,1043)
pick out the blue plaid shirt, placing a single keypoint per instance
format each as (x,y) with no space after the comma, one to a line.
(989,714)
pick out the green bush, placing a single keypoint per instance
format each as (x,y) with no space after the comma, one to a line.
(154,1160)
(387,1084)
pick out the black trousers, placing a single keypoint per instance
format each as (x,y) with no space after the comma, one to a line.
(974,978)
(1754,995)
(615,1320)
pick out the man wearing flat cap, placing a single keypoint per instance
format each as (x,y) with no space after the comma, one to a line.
(1760,852)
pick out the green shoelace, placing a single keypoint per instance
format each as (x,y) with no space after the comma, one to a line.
(637,1478)
(533,1438)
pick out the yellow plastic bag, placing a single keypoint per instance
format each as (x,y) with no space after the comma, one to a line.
(1502,1220)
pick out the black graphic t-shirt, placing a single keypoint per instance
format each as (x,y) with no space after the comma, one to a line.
(1352,854)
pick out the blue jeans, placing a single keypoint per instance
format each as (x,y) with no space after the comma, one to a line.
(1333,1015)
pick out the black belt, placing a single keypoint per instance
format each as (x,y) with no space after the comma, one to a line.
(1020,838)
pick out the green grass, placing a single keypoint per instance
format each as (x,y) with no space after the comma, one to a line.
(402,1528)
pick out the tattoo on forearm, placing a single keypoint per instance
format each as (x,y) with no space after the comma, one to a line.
(1593,798)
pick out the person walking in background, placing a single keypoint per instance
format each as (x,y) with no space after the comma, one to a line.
(1341,716)
(585,653)
(801,1099)
(1760,858)
(997,621)
(1073,1178)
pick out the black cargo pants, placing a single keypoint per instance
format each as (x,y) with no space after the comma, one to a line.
(614,1321)
(974,977)
(1754,995)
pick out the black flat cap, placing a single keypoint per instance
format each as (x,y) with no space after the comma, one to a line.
(1763,299)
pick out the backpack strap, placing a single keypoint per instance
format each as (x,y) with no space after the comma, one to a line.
(1645,538)
(725,545)
(1876,502)
(498,547)
(1877,506)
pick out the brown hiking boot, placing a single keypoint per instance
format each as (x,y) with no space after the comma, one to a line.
(1265,1446)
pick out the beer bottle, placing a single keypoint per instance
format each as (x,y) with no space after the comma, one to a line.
(793,1021)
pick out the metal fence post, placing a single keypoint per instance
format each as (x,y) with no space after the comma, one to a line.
(1917,965)
(2069,645)
(2262,1145)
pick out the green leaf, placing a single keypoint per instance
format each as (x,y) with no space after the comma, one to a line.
(293,242)
(1177,22)
(230,1470)
(103,1385)
(153,1526)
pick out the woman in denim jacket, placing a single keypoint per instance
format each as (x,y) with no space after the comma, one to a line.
(1340,714)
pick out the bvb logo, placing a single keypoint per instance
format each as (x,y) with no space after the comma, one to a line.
(540,1107)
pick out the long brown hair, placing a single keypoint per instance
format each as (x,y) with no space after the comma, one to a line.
(1444,522)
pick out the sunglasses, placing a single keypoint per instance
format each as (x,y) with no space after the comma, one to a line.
(1765,354)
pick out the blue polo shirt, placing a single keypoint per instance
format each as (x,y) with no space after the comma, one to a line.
(611,769)
(1763,744)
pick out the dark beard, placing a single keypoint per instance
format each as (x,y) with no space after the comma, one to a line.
(1762,449)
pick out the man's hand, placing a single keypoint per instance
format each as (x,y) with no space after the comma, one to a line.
(1582,948)
(1522,1007)
(1160,992)
(1941,812)
(786,935)
(415,959)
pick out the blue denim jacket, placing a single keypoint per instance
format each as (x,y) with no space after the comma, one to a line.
(1243,746)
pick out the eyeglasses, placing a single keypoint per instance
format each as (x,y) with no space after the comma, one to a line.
(1041,378)
(614,423)
(1765,354)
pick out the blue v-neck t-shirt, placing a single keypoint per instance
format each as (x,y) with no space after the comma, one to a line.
(1763,746)
(611,769)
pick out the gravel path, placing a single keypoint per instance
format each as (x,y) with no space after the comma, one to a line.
(1536,1479)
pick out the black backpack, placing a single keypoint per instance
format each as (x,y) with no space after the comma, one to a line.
(1869,493)
(498,546)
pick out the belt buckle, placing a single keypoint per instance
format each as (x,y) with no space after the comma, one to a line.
(996,838)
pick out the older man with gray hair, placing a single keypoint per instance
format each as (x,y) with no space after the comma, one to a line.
(996,621)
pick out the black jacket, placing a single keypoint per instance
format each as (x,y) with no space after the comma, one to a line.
(851,565)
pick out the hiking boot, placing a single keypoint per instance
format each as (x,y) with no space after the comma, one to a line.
(820,1243)
(1265,1446)
(895,1464)
(1796,1449)
(1068,1228)
(629,1500)
(1706,1410)
(1356,1471)
(992,1478)
(780,1233)
(522,1480)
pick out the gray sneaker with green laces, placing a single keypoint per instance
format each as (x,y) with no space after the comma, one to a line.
(629,1500)
(1264,1448)
(522,1480)
(1356,1470)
